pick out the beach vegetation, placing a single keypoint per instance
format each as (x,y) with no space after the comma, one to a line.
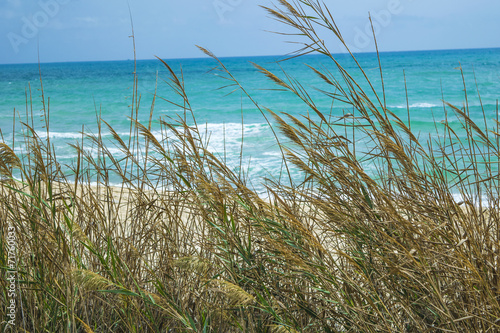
(185,244)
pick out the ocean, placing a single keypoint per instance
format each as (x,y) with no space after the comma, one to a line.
(77,92)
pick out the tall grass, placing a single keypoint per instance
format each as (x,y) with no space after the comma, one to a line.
(185,245)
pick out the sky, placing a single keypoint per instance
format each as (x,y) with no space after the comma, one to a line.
(93,30)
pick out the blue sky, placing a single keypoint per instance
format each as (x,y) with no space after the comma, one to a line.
(88,30)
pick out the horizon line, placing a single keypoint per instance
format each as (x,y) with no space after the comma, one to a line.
(248,56)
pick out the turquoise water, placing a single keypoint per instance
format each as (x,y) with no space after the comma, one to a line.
(80,91)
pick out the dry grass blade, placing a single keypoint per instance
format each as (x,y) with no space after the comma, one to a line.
(236,296)
(8,160)
(271,76)
(86,328)
(91,281)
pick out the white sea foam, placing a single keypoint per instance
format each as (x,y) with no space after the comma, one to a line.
(59,135)
(416,105)
(273,153)
(232,129)
(434,105)
(423,105)
(73,135)
(67,156)
(115,151)
(223,137)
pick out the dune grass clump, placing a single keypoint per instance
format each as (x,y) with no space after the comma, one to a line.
(185,245)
